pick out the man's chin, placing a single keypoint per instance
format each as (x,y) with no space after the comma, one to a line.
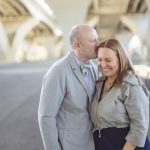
(95,57)
(96,49)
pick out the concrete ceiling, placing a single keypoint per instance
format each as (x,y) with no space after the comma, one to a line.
(107,12)
(14,12)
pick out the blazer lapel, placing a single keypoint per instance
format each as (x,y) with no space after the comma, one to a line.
(78,74)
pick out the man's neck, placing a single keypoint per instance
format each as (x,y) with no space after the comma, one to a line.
(81,59)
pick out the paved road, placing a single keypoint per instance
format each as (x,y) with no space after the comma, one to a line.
(20,87)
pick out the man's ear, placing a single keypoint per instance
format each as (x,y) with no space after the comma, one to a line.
(76,45)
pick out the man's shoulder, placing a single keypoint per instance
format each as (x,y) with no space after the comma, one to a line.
(59,63)
(58,66)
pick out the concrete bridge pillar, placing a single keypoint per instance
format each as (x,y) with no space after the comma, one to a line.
(68,14)
(138,24)
(4,43)
(147,38)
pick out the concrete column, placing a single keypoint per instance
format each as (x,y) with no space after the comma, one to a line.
(4,42)
(21,33)
(38,12)
(138,24)
(68,14)
(147,39)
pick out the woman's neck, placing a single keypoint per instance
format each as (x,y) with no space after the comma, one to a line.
(110,80)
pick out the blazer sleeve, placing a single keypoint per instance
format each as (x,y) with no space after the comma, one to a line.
(52,94)
(137,106)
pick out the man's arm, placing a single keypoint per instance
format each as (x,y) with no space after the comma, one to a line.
(52,95)
(49,133)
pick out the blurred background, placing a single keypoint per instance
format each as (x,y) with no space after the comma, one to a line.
(34,34)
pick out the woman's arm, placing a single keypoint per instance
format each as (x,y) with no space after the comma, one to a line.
(137,106)
(128,146)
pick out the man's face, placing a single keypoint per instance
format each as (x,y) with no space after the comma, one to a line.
(88,44)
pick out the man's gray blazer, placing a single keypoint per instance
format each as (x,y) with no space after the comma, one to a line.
(63,112)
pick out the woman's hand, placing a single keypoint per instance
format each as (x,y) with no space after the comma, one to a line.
(128,146)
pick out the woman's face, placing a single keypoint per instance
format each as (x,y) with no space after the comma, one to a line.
(108,62)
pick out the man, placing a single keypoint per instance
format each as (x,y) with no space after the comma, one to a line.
(66,93)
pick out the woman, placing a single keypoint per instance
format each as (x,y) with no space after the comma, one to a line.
(120,109)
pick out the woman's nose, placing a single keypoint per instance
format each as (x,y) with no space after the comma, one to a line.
(102,64)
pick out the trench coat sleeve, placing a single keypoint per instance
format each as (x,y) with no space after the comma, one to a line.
(52,94)
(137,106)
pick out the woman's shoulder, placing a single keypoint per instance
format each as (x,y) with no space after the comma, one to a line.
(131,79)
(132,84)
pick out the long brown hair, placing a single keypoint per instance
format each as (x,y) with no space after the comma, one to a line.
(125,63)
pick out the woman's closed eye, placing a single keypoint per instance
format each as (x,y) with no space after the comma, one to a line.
(107,60)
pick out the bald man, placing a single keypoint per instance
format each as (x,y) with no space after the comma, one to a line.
(67,90)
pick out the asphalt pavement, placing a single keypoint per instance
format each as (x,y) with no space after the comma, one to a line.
(20,86)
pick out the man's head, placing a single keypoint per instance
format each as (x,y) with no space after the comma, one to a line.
(84,42)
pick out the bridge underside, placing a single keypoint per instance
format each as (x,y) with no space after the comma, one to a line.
(38,30)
